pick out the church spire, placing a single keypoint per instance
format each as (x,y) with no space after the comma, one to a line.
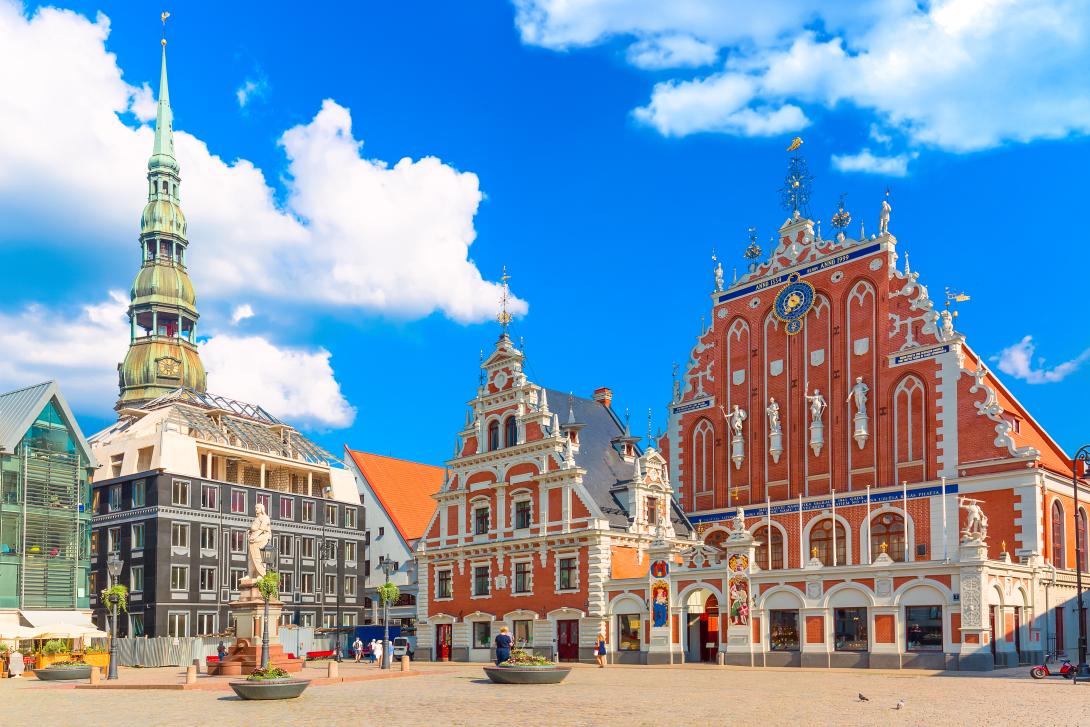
(162,151)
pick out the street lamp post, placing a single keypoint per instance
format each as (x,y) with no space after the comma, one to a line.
(114,565)
(1082,671)
(386,564)
(331,554)
(269,557)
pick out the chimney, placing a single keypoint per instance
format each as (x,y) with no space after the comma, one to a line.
(603,395)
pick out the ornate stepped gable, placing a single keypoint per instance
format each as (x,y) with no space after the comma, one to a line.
(798,333)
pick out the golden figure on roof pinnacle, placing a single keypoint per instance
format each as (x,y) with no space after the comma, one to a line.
(504,317)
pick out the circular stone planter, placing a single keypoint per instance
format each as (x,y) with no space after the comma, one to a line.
(527,674)
(270,688)
(63,673)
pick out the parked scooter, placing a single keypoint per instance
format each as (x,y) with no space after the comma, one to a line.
(1066,670)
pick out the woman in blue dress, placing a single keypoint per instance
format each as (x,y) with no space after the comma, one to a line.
(600,650)
(503,646)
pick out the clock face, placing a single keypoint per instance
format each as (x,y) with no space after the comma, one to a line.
(793,302)
(170,367)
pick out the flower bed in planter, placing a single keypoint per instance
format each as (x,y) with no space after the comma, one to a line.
(64,671)
(523,668)
(271,683)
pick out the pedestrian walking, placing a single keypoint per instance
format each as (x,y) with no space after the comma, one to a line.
(503,646)
(357,649)
(376,651)
(600,650)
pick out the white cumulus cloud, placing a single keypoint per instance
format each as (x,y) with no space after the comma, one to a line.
(1018,361)
(242,312)
(385,238)
(670,51)
(870,163)
(958,75)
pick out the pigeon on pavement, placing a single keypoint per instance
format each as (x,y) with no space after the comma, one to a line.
(862,698)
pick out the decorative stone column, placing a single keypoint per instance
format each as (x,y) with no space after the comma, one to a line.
(976,651)
(738,646)
(662,606)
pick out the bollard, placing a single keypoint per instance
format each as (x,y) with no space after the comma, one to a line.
(405,662)
(334,672)
(191,674)
(197,664)
(96,675)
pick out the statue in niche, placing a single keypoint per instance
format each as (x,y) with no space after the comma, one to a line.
(737,441)
(775,433)
(817,427)
(861,421)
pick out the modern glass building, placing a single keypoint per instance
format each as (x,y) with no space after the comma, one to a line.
(45,520)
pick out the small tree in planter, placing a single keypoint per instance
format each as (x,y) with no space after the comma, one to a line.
(388,593)
(269,588)
(117,596)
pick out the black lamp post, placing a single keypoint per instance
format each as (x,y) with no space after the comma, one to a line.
(114,565)
(386,565)
(268,557)
(331,554)
(1082,671)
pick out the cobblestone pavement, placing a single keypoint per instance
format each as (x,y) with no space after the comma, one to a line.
(628,696)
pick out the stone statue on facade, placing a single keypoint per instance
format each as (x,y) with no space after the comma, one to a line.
(718,277)
(260,534)
(883,218)
(775,432)
(861,421)
(817,427)
(946,325)
(976,522)
(738,522)
(737,441)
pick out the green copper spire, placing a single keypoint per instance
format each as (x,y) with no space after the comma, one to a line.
(163,315)
(162,152)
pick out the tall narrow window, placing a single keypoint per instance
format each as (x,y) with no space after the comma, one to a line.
(493,436)
(1058,558)
(770,548)
(510,432)
(1080,539)
(822,536)
(703,457)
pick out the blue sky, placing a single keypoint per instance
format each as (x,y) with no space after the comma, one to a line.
(599,150)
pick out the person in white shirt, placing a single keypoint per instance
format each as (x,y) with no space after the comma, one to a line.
(357,649)
(376,650)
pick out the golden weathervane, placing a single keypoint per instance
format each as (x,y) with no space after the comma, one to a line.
(504,317)
(163,16)
(795,143)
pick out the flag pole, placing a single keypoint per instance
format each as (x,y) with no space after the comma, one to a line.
(904,507)
(834,527)
(945,555)
(868,525)
(802,545)
(768,527)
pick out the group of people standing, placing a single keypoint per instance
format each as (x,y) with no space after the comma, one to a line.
(504,643)
(372,651)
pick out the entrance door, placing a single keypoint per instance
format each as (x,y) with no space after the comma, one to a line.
(442,641)
(709,630)
(1059,612)
(1018,632)
(567,640)
(992,612)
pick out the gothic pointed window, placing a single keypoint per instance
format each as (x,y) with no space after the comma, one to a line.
(493,436)
(703,458)
(1058,558)
(510,432)
(887,529)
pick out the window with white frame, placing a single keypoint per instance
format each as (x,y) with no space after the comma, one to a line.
(209,497)
(331,585)
(330,514)
(350,551)
(136,579)
(206,624)
(237,574)
(567,572)
(329,620)
(178,623)
(308,511)
(522,577)
(286,543)
(306,620)
(481,580)
(113,540)
(179,535)
(523,513)
(444,584)
(286,582)
(208,537)
(306,584)
(265,500)
(179,577)
(114,498)
(350,585)
(348,618)
(287,508)
(179,492)
(238,502)
(306,547)
(208,579)
(139,493)
(350,517)
(480,519)
(137,536)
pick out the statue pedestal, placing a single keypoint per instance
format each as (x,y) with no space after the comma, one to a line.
(775,446)
(245,655)
(738,646)
(861,427)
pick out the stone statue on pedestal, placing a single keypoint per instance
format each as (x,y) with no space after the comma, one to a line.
(737,441)
(817,427)
(260,534)
(976,522)
(883,218)
(775,433)
(861,421)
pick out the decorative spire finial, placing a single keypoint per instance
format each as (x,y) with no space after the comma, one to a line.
(754,250)
(163,16)
(842,218)
(650,439)
(571,408)
(504,317)
(627,431)
(795,193)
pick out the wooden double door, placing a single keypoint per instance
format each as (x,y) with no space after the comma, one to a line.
(567,640)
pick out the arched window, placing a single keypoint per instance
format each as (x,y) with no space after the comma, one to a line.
(888,528)
(510,432)
(703,459)
(821,539)
(769,538)
(1080,540)
(1058,559)
(493,436)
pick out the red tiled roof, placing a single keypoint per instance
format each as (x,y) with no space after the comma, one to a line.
(404,489)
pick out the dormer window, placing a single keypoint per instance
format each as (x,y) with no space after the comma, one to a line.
(510,432)
(493,436)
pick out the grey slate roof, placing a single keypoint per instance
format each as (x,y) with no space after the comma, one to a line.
(19,409)
(607,472)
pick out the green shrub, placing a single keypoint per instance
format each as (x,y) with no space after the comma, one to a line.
(55,646)
(521,658)
(272,672)
(69,662)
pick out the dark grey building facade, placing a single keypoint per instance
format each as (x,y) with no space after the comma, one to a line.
(183,542)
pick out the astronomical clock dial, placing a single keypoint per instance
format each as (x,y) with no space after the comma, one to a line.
(170,367)
(793,302)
